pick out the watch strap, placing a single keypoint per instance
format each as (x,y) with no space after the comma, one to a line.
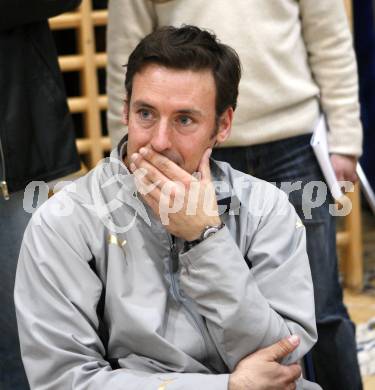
(207,232)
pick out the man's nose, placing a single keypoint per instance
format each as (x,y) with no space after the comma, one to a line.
(161,137)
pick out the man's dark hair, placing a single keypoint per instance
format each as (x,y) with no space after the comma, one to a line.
(189,48)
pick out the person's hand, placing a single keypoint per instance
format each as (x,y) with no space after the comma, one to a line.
(262,371)
(185,204)
(344,167)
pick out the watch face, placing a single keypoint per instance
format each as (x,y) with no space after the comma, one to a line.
(210,231)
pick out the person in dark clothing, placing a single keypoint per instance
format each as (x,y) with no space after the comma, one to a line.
(37,142)
(364,39)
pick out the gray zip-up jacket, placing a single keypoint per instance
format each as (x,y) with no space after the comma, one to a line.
(102,285)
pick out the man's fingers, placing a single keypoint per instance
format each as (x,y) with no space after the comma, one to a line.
(167,198)
(281,349)
(293,372)
(144,185)
(164,164)
(150,171)
(204,165)
(340,176)
(152,203)
(354,177)
(344,167)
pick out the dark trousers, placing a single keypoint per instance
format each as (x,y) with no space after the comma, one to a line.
(13,221)
(291,160)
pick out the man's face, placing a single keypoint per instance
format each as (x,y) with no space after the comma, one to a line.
(173,112)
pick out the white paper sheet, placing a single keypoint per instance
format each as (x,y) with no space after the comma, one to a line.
(320,146)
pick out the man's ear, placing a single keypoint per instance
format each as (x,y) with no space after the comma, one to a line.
(125,113)
(225,125)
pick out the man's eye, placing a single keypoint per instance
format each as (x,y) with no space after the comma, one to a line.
(145,115)
(185,120)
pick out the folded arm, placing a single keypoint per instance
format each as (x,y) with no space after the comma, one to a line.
(247,310)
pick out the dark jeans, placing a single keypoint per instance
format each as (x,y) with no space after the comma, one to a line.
(13,221)
(291,160)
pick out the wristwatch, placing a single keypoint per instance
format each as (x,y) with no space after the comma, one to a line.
(208,231)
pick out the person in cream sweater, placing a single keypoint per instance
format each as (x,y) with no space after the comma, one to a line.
(298,63)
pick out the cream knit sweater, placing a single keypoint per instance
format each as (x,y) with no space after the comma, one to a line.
(296,57)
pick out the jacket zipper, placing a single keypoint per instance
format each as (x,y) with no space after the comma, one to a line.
(173,266)
(3,182)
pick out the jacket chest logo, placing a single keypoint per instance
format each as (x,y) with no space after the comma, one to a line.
(165,383)
(112,239)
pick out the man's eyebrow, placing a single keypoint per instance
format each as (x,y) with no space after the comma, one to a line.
(143,104)
(185,111)
(190,111)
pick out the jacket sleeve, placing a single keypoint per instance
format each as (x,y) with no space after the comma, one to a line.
(246,310)
(14,13)
(56,295)
(129,22)
(332,60)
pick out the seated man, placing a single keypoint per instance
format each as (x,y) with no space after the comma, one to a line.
(185,274)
